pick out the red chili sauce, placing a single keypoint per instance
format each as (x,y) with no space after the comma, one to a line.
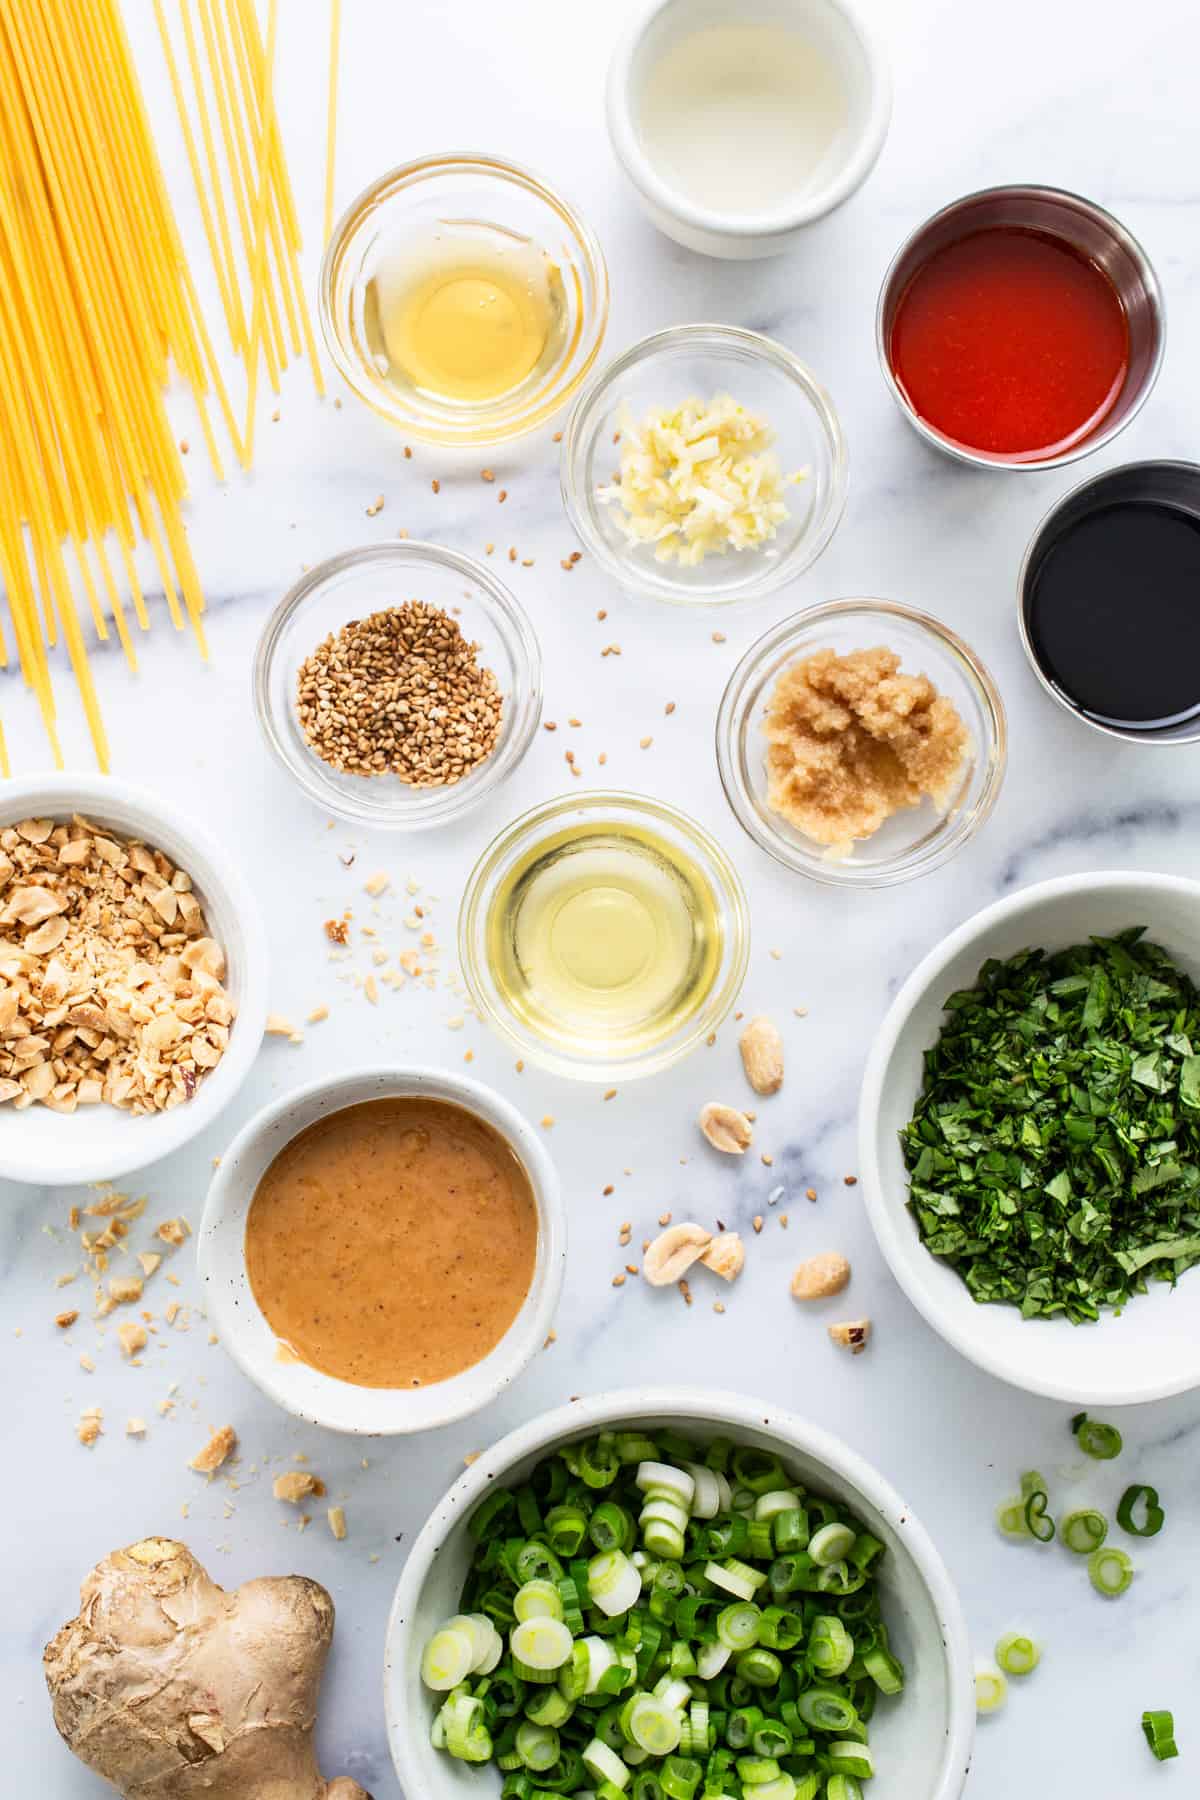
(1011,342)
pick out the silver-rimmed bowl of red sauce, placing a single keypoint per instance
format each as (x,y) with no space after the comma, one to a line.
(1020,328)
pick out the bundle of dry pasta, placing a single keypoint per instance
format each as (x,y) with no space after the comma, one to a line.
(235,152)
(95,300)
(97,304)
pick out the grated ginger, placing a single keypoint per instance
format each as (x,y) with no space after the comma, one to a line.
(697,480)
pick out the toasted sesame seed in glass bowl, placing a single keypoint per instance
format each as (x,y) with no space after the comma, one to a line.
(372,579)
(702,361)
(913,841)
(489,206)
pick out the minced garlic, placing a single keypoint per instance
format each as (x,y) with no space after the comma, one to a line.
(851,741)
(698,479)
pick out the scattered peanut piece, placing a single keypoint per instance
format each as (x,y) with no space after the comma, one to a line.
(726,1129)
(317,1015)
(686,1291)
(125,1289)
(819,1276)
(337,1521)
(150,1260)
(132,1337)
(295,1485)
(219,1448)
(725,1256)
(278,1026)
(851,1335)
(762,1055)
(135,1428)
(90,1426)
(757,1222)
(672,1254)
(174,1231)
(65,1319)
(377,884)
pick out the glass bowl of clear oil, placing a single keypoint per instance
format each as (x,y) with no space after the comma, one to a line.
(463,299)
(605,936)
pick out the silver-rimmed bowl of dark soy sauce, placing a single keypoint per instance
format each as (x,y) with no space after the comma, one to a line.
(1109,603)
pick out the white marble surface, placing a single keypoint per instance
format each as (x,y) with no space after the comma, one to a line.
(1090,96)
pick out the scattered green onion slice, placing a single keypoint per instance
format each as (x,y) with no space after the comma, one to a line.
(1104,1442)
(1084,1530)
(447,1660)
(1038,1522)
(1010,1517)
(1110,1572)
(991,1689)
(831,1544)
(1159,1729)
(1017,1654)
(1153,1517)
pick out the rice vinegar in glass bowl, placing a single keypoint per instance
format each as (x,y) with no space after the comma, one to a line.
(605,937)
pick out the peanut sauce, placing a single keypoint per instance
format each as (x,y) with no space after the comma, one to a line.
(393,1243)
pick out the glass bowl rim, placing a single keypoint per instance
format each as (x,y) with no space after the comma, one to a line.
(580,428)
(488,425)
(907,866)
(513,625)
(727,884)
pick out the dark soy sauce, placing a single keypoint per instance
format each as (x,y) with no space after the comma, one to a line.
(1114,614)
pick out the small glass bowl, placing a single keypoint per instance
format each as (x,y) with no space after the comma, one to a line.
(912,842)
(547,820)
(664,370)
(368,580)
(410,205)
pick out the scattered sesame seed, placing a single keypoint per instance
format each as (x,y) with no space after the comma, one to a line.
(527,562)
(618,1281)
(686,1291)
(850,1180)
(603,613)
(710,1040)
(602,758)
(783,1220)
(486,475)
(488,548)
(436,485)
(810,1193)
(669,708)
(609,1189)
(512,553)
(801,1012)
(645,743)
(718,1306)
(557,438)
(502,496)
(408,451)
(757,1223)
(610,1094)
(632,1269)
(550,725)
(664,1218)
(547,1120)
(468,1056)
(520,1066)
(551,1338)
(718,637)
(768,1159)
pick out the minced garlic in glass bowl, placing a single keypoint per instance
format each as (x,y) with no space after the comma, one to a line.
(813,775)
(705,465)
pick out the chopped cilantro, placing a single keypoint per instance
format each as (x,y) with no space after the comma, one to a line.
(1054,1154)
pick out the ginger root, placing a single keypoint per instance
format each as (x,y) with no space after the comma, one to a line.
(171,1688)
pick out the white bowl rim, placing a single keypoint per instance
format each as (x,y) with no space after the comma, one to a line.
(752,225)
(473,1096)
(63,793)
(886,1219)
(739,1412)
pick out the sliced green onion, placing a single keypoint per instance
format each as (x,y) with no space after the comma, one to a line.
(537,1746)
(754,1770)
(635,1447)
(757,1470)
(487,1646)
(826,1709)
(706,1495)
(831,1544)
(1010,1517)
(1110,1572)
(1094,1439)
(851,1759)
(885,1670)
(1017,1655)
(655,1478)
(1159,1730)
(549,1707)
(467,1736)
(782,1788)
(673,1692)
(679,1777)
(1084,1530)
(843,1787)
(613,1583)
(605,1764)
(790,1530)
(780,1629)
(1153,1517)
(1038,1522)
(448,1659)
(776,1500)
(830,1649)
(736,1578)
(651,1724)
(566,1527)
(761,1668)
(541,1644)
(737,1626)
(991,1689)
(538,1599)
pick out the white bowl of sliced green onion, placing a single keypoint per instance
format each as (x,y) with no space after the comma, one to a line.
(667,1594)
(1030,1152)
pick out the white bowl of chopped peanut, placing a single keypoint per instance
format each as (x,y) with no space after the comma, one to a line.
(133,979)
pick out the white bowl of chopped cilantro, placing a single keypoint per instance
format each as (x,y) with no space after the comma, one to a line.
(1029,1138)
(637,1592)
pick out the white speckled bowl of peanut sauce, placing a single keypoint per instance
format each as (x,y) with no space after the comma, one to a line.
(307,1139)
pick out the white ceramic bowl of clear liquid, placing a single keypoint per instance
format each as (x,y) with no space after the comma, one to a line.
(740,122)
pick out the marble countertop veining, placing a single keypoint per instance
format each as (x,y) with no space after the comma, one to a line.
(1087,96)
